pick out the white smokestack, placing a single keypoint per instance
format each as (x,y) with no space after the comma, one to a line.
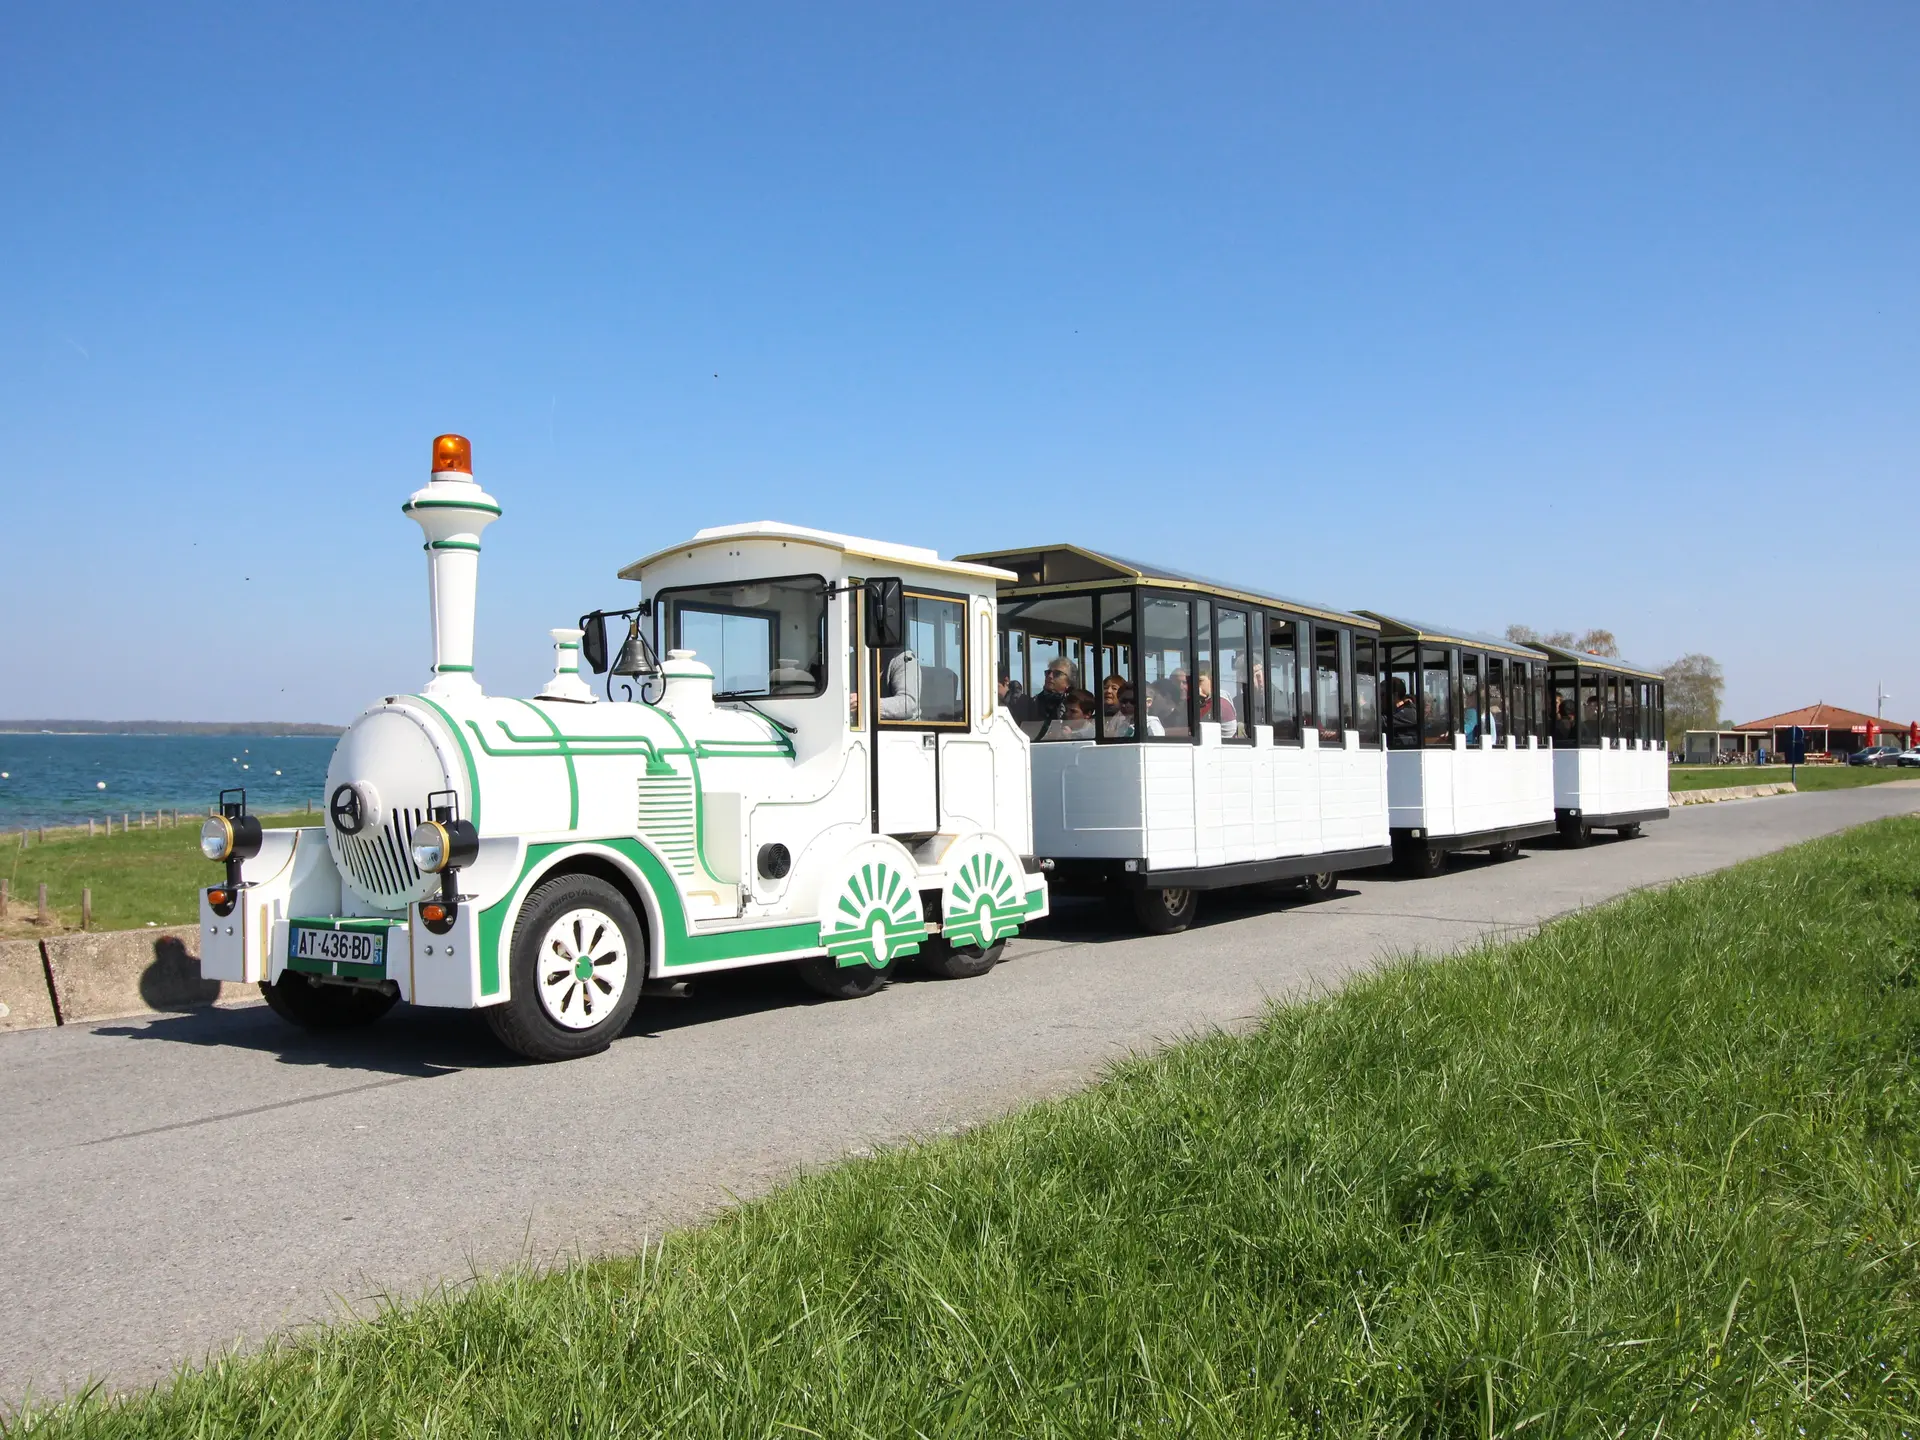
(452,510)
(566,683)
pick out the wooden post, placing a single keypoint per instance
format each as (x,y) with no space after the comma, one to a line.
(89,827)
(3,899)
(45,914)
(86,908)
(43,834)
(124,826)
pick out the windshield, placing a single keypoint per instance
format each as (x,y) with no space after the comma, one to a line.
(761,638)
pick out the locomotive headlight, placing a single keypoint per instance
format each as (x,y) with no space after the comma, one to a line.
(439,845)
(230,837)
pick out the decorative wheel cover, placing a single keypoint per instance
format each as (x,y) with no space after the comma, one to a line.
(582,968)
(984,904)
(875,919)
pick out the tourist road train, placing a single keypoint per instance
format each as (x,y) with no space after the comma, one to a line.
(842,755)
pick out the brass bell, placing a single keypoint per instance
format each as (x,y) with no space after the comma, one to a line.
(636,656)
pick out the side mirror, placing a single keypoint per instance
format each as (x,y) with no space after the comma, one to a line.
(593,641)
(886,614)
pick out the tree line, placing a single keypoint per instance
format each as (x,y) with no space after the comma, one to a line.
(1695,683)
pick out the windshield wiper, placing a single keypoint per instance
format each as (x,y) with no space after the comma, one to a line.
(733,699)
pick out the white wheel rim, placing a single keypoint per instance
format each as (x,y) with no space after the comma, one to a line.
(582,968)
(1174,900)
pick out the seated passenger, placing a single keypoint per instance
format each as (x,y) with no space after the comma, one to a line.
(1167,701)
(1126,725)
(1222,709)
(902,698)
(1050,705)
(1077,722)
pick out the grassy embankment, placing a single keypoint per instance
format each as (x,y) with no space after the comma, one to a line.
(137,876)
(1652,1171)
(1810,777)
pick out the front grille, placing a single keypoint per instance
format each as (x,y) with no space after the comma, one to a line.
(380,862)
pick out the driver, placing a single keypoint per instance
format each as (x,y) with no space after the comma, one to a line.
(902,698)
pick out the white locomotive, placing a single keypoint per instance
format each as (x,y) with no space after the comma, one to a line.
(818,772)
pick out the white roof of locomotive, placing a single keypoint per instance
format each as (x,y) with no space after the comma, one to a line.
(852,546)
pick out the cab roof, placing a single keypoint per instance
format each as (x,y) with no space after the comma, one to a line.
(852,546)
(1048,569)
(1586,660)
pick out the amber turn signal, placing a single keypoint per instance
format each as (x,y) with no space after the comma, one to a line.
(217,898)
(433,913)
(452,452)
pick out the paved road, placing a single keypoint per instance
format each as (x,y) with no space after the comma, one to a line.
(172,1185)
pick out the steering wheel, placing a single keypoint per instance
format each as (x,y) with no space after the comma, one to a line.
(346,810)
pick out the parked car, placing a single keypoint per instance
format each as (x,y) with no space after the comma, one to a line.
(1875,755)
(1908,758)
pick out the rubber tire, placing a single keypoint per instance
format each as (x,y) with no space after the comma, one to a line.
(823,975)
(1506,850)
(1165,912)
(1576,835)
(1630,832)
(300,1001)
(1319,885)
(1422,861)
(959,962)
(522,1024)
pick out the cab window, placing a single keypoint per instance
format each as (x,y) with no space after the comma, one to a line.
(762,638)
(924,682)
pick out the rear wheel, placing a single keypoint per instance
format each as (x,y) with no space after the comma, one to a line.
(1575,834)
(1320,885)
(1422,861)
(1630,832)
(959,962)
(313,1005)
(826,976)
(579,959)
(1165,912)
(1505,850)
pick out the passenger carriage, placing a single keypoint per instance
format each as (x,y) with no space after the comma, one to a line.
(1467,768)
(1608,721)
(817,773)
(1188,735)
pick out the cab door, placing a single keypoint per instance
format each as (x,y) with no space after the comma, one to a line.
(921,691)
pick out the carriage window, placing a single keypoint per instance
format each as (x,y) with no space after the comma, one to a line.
(1119,699)
(1565,704)
(1166,667)
(1470,698)
(762,638)
(1056,703)
(1283,680)
(1629,710)
(1327,686)
(1366,692)
(1660,713)
(1403,697)
(851,619)
(1436,699)
(924,681)
(1542,715)
(1495,718)
(1519,717)
(1590,715)
(1229,679)
(1610,707)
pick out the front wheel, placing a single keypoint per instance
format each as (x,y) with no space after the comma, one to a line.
(579,959)
(1630,832)
(1576,834)
(826,976)
(960,962)
(312,1005)
(1165,912)
(1423,861)
(1505,850)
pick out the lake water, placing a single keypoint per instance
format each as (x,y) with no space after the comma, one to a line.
(58,779)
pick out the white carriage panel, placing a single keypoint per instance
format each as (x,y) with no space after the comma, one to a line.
(1407,789)
(1260,786)
(1012,783)
(1230,808)
(1168,792)
(966,782)
(1353,797)
(1089,801)
(1294,786)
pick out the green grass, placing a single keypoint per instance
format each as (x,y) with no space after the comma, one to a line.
(1650,1172)
(1810,777)
(136,876)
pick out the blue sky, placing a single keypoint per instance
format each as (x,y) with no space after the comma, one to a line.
(1569,315)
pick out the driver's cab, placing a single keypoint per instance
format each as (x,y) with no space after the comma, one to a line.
(877,659)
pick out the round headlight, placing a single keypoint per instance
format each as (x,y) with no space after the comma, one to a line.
(430,846)
(216,838)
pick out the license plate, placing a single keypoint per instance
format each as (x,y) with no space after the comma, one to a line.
(350,947)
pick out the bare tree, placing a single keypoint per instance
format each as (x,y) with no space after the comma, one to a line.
(1694,686)
(1527,635)
(1599,642)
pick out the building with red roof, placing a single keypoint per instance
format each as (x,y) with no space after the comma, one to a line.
(1830,729)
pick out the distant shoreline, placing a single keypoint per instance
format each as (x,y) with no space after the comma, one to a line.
(265,728)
